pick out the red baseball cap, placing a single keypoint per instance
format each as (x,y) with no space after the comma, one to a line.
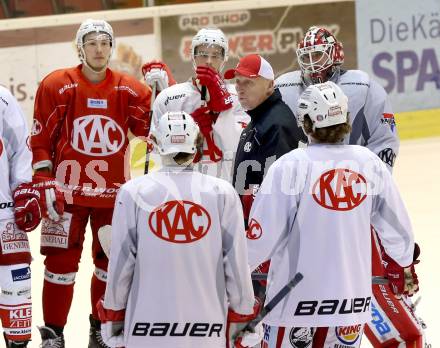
(252,65)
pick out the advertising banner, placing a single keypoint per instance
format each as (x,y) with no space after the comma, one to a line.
(32,53)
(399,45)
(271,32)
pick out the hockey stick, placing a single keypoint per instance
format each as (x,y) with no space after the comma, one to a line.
(272,303)
(147,153)
(375,279)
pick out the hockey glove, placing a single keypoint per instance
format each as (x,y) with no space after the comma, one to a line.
(51,198)
(112,325)
(27,207)
(403,280)
(205,119)
(237,337)
(219,97)
(157,72)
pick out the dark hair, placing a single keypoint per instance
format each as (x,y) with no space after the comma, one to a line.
(332,134)
(182,157)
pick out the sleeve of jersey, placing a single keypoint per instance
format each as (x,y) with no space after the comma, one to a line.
(237,273)
(384,140)
(139,111)
(159,108)
(391,221)
(272,213)
(49,112)
(122,252)
(16,135)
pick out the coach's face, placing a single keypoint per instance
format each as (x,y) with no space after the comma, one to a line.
(252,91)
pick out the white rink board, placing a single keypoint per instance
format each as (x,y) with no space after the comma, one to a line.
(416,172)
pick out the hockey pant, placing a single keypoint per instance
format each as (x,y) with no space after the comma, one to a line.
(312,337)
(62,244)
(394,323)
(15,301)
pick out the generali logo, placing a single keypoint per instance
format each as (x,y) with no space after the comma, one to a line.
(97,135)
(180,221)
(340,189)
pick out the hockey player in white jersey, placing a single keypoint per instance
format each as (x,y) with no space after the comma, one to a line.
(15,191)
(178,254)
(312,215)
(320,57)
(213,104)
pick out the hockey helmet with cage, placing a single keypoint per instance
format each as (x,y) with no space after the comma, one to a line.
(176,132)
(210,36)
(324,103)
(320,55)
(93,26)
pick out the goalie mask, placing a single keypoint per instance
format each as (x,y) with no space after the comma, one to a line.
(210,37)
(320,55)
(324,103)
(176,132)
(104,32)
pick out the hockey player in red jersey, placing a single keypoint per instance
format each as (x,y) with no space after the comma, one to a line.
(19,213)
(320,57)
(212,103)
(178,254)
(312,215)
(82,118)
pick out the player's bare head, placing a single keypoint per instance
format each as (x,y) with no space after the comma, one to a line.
(95,43)
(209,47)
(176,137)
(320,55)
(323,113)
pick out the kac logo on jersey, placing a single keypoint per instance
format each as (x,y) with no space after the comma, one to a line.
(301,337)
(97,135)
(340,189)
(36,127)
(348,335)
(180,221)
(254,230)
(97,103)
(247,147)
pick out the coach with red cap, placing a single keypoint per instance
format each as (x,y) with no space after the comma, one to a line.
(272,131)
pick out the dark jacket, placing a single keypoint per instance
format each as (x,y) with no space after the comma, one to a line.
(272,132)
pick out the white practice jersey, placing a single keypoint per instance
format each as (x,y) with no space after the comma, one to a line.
(178,260)
(15,155)
(369,108)
(226,130)
(312,215)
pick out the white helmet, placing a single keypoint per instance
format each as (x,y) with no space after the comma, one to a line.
(176,132)
(210,36)
(91,26)
(324,103)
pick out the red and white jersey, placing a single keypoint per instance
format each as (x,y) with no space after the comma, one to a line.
(226,130)
(80,129)
(312,215)
(178,259)
(369,108)
(15,154)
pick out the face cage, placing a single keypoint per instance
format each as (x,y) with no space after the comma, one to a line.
(82,55)
(307,62)
(194,55)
